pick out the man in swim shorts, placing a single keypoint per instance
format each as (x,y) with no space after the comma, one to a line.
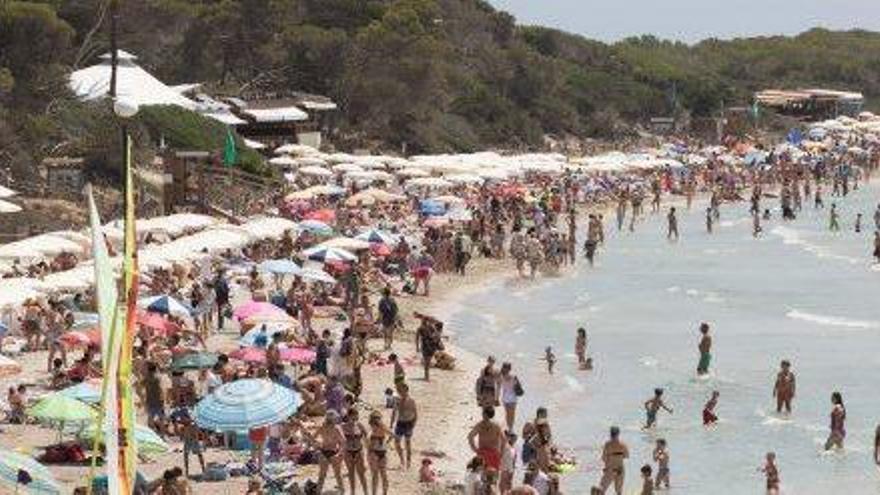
(705,348)
(404,417)
(487,439)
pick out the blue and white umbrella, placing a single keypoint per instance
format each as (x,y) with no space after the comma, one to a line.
(260,337)
(166,305)
(26,475)
(3,329)
(85,392)
(327,254)
(280,267)
(432,208)
(315,227)
(376,235)
(245,404)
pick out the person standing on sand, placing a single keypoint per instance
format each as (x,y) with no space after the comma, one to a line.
(428,341)
(404,417)
(388,313)
(672,225)
(838,420)
(784,388)
(511,390)
(614,454)
(705,348)
(487,439)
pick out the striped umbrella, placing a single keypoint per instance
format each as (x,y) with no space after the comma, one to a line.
(146,440)
(59,408)
(376,236)
(315,227)
(26,475)
(166,305)
(325,254)
(194,361)
(246,404)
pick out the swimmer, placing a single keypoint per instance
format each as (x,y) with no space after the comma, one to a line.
(838,418)
(647,482)
(877,246)
(705,348)
(784,388)
(550,358)
(772,473)
(661,457)
(709,417)
(580,347)
(653,406)
(672,220)
(858,223)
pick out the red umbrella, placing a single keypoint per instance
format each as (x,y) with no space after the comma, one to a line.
(300,355)
(325,215)
(157,323)
(249,355)
(380,249)
(82,338)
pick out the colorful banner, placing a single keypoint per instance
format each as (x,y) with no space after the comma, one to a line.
(110,323)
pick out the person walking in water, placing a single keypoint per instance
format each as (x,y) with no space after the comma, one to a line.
(672,231)
(705,348)
(614,454)
(653,406)
(877,246)
(838,420)
(784,388)
(877,218)
(858,223)
(833,219)
(772,473)
(709,220)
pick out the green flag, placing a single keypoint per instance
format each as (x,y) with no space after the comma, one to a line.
(230,155)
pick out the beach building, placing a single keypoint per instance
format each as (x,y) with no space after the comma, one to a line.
(811,104)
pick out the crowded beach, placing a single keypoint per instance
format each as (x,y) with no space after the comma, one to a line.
(302,350)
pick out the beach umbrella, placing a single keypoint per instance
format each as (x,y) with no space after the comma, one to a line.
(324,215)
(245,404)
(315,227)
(157,323)
(7,207)
(60,409)
(429,182)
(280,267)
(347,243)
(374,236)
(283,161)
(317,275)
(194,361)
(146,440)
(253,308)
(298,355)
(5,192)
(260,336)
(166,305)
(347,168)
(432,208)
(25,475)
(379,249)
(81,338)
(325,254)
(413,172)
(249,355)
(8,367)
(449,199)
(315,171)
(360,199)
(87,392)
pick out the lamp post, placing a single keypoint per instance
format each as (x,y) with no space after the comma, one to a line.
(125,110)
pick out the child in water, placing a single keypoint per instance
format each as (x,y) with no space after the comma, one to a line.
(661,457)
(550,358)
(709,417)
(647,483)
(653,406)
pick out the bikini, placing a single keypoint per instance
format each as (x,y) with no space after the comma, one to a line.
(377,446)
(353,443)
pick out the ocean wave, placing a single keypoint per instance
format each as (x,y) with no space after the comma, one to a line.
(834,321)
(793,237)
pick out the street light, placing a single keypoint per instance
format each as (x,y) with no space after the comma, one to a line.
(124,108)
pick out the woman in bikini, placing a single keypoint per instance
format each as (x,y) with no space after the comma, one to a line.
(380,435)
(838,418)
(330,441)
(355,433)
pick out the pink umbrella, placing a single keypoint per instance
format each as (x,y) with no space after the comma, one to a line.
(249,355)
(253,308)
(325,215)
(300,355)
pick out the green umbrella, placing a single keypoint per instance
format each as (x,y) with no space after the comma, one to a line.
(62,409)
(146,440)
(26,475)
(194,361)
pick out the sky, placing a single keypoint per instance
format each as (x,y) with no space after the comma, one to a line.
(693,20)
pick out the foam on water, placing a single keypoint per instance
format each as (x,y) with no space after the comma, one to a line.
(573,384)
(834,321)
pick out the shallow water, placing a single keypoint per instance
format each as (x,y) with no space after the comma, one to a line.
(797,292)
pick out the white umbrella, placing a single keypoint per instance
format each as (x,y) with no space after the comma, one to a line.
(315,170)
(346,243)
(7,207)
(464,179)
(347,168)
(283,161)
(413,172)
(5,192)
(432,182)
(317,275)
(325,254)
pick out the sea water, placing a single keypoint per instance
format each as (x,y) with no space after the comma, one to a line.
(797,292)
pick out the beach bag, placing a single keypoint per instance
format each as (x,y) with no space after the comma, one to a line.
(215,472)
(517,387)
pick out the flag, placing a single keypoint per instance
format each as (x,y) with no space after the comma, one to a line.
(110,324)
(127,448)
(230,154)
